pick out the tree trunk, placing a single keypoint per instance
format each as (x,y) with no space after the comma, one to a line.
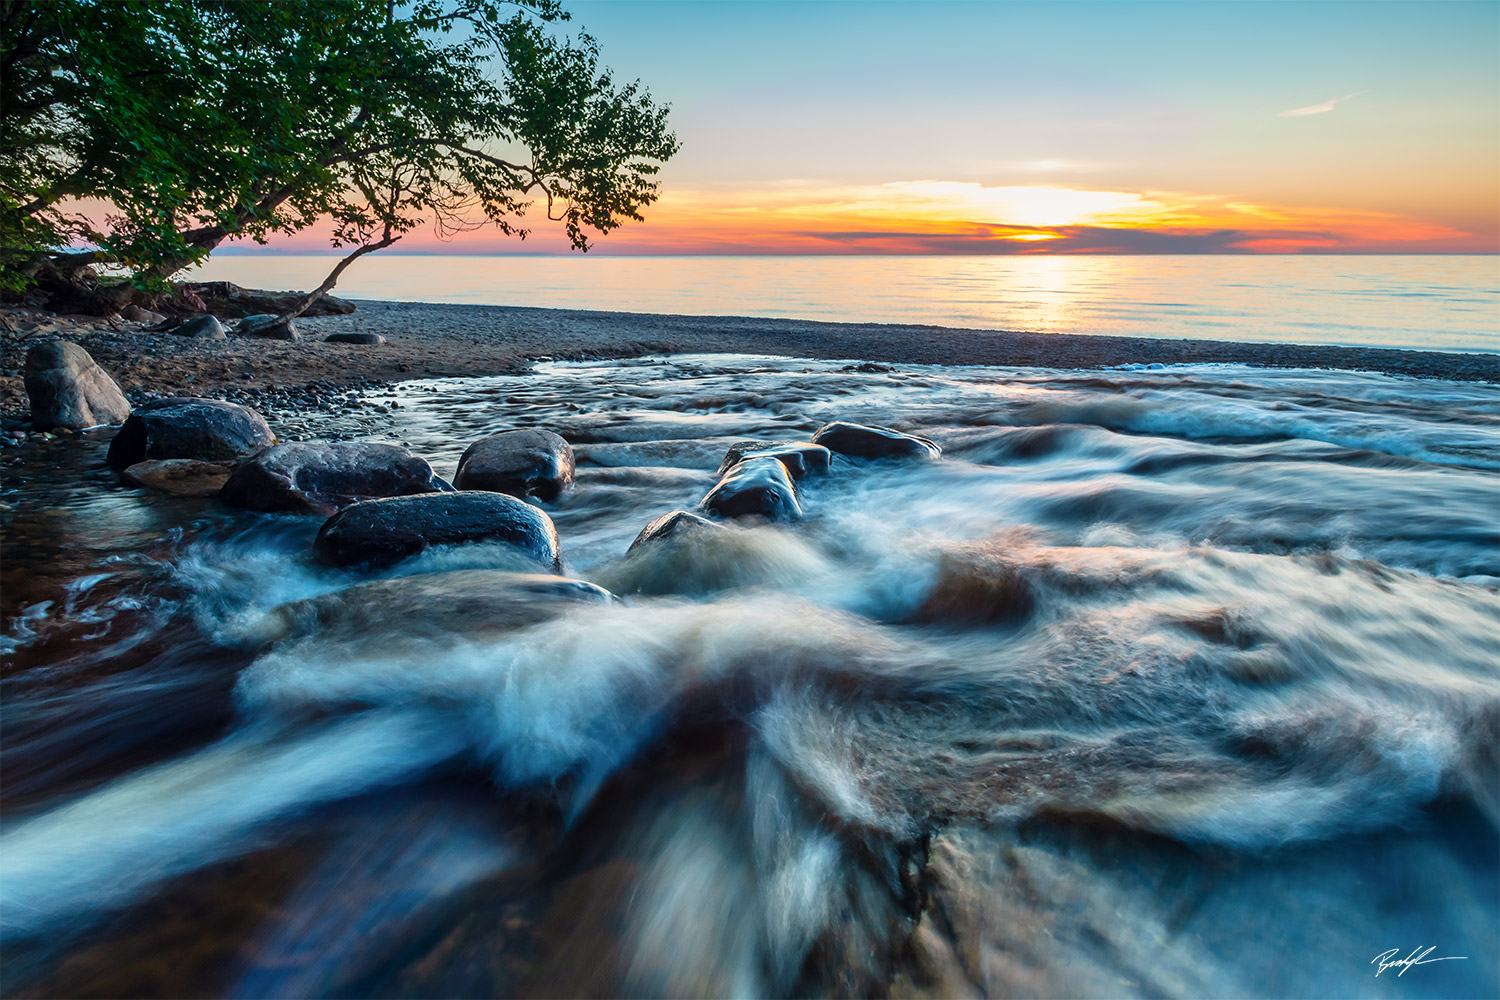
(333,276)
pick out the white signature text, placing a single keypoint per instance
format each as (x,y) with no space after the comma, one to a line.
(1388,960)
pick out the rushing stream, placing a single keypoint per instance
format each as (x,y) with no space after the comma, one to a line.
(1160,682)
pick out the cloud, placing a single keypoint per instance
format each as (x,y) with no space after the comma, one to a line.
(1316,109)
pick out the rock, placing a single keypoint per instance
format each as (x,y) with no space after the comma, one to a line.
(68,389)
(439,605)
(757,487)
(677,524)
(859,441)
(322,476)
(201,328)
(526,462)
(135,314)
(801,458)
(383,532)
(187,427)
(683,553)
(183,477)
(370,339)
(267,326)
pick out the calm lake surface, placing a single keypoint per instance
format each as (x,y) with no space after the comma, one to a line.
(1171,682)
(1446,303)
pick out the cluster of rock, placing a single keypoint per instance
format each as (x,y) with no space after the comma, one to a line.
(266,326)
(383,504)
(758,480)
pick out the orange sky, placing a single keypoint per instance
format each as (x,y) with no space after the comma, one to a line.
(1056,127)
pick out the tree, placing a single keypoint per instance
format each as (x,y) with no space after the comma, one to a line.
(205,121)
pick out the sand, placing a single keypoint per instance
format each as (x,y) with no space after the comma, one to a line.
(430,340)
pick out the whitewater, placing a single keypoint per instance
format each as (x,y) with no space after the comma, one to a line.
(1168,681)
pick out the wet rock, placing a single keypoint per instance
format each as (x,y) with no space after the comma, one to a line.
(267,326)
(859,441)
(758,487)
(677,524)
(683,553)
(526,462)
(183,477)
(188,427)
(801,458)
(201,328)
(369,339)
(68,389)
(322,476)
(383,532)
(436,604)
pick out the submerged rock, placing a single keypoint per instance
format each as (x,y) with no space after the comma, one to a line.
(383,532)
(183,477)
(677,524)
(68,389)
(200,328)
(526,462)
(683,553)
(267,326)
(368,339)
(189,427)
(321,476)
(436,604)
(859,441)
(758,487)
(801,458)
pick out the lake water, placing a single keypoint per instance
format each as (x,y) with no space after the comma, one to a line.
(1157,683)
(1447,303)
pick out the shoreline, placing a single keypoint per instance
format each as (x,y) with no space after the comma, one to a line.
(436,340)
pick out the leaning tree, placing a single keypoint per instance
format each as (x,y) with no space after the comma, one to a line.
(154,131)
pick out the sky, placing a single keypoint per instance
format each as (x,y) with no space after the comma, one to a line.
(1209,126)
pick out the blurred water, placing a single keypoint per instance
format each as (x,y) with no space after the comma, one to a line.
(1169,682)
(1443,303)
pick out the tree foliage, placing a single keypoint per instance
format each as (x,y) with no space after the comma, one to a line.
(197,121)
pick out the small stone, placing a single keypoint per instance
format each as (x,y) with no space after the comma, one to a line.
(183,477)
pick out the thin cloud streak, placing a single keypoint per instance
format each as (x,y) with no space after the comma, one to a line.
(1317,109)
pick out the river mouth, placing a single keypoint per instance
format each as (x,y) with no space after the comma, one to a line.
(1147,655)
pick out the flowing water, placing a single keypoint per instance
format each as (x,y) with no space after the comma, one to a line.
(1174,682)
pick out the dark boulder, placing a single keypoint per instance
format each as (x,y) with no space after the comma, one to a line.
(801,458)
(859,441)
(677,524)
(383,532)
(321,476)
(68,389)
(267,326)
(183,477)
(759,487)
(210,430)
(435,605)
(368,339)
(526,462)
(200,328)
